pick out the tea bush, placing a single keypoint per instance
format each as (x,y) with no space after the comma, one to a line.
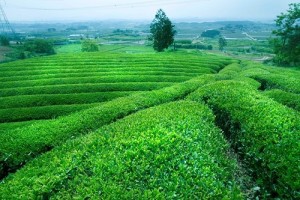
(19,146)
(286,98)
(172,151)
(264,132)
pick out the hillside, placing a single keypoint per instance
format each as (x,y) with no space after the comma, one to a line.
(172,125)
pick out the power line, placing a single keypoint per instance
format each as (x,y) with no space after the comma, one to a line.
(5,25)
(124,5)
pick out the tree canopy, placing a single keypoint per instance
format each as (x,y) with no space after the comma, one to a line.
(287,43)
(39,46)
(222,43)
(89,46)
(210,33)
(162,31)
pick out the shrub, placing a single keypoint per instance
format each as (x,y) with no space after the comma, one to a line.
(265,133)
(210,33)
(286,98)
(89,46)
(39,46)
(24,144)
(166,152)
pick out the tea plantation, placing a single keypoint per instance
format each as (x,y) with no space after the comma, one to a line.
(172,125)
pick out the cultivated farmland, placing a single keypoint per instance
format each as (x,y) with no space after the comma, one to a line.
(172,125)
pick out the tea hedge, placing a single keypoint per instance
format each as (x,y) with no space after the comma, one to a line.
(122,71)
(173,151)
(84,88)
(275,81)
(286,98)
(19,146)
(59,99)
(92,80)
(41,113)
(266,134)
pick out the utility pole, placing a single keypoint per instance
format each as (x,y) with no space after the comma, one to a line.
(5,27)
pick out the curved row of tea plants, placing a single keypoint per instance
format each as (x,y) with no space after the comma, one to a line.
(266,133)
(173,151)
(92,80)
(59,99)
(19,146)
(29,88)
(286,98)
(41,113)
(273,77)
(84,88)
(122,72)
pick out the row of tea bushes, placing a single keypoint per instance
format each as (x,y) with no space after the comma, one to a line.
(264,132)
(24,101)
(92,80)
(286,98)
(84,88)
(41,113)
(172,151)
(21,145)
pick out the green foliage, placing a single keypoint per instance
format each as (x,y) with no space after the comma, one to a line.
(20,101)
(264,132)
(287,43)
(39,46)
(162,31)
(4,40)
(286,98)
(278,81)
(94,80)
(159,153)
(82,88)
(89,46)
(194,46)
(222,43)
(210,33)
(31,141)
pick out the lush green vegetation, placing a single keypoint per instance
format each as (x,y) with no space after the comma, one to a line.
(287,43)
(286,98)
(263,131)
(162,31)
(80,126)
(89,46)
(162,152)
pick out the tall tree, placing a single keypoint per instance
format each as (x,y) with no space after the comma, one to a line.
(162,31)
(222,43)
(287,43)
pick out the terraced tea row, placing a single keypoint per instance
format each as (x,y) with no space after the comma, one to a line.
(162,152)
(62,83)
(19,146)
(83,88)
(152,72)
(169,151)
(93,80)
(59,99)
(264,132)
(286,98)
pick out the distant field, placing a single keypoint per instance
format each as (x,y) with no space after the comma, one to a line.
(128,122)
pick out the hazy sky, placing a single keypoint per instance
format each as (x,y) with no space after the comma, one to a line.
(53,10)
